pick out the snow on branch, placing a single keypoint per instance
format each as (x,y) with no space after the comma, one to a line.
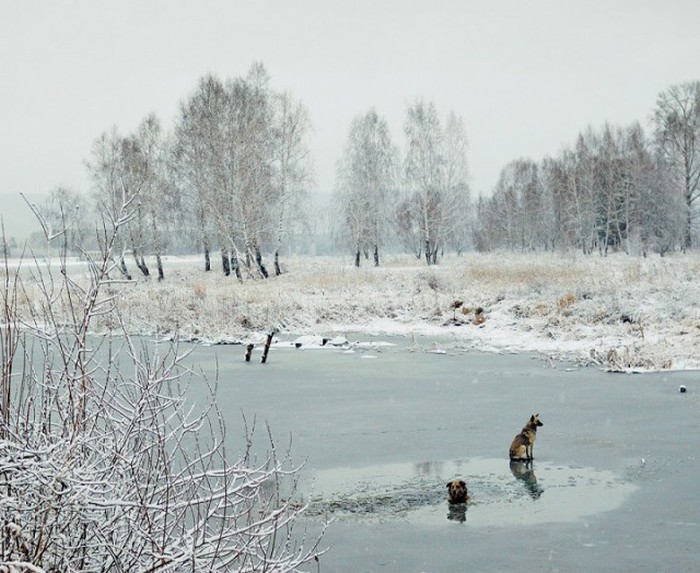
(106,466)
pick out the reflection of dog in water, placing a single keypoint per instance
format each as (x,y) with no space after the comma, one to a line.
(457,498)
(457,512)
(522,470)
(521,447)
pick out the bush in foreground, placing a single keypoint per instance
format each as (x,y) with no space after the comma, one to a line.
(103,464)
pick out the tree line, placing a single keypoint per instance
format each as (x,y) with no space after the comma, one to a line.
(420,201)
(613,188)
(231,178)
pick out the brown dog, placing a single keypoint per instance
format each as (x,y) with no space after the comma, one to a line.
(457,491)
(521,447)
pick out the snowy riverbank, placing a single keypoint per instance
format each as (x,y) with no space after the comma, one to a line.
(619,312)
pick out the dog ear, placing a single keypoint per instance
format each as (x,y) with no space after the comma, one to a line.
(461,482)
(532,418)
(449,483)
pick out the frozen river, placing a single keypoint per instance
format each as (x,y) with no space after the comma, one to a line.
(614,485)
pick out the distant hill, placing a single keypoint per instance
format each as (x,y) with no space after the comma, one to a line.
(17,217)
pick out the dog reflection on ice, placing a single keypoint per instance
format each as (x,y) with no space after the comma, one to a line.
(457,512)
(522,470)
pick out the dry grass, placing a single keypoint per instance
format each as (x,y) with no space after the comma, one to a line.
(550,296)
(566,301)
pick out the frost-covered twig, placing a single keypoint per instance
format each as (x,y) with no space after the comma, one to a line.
(105,466)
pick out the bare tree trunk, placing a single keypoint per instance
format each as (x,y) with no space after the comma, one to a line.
(143,267)
(259,262)
(204,238)
(123,269)
(278,270)
(225,262)
(141,263)
(157,248)
(688,239)
(376,255)
(159,262)
(207,259)
(235,264)
(358,254)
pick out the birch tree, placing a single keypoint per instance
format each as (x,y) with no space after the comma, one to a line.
(639,190)
(123,168)
(158,200)
(484,226)
(134,178)
(198,161)
(663,208)
(408,229)
(241,153)
(365,183)
(515,215)
(580,193)
(292,173)
(252,132)
(506,211)
(677,123)
(424,175)
(112,189)
(611,189)
(458,210)
(552,182)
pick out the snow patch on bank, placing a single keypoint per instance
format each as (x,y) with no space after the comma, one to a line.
(620,313)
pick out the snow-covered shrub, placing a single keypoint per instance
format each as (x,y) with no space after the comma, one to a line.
(104,466)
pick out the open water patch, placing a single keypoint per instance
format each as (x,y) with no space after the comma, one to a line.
(502,493)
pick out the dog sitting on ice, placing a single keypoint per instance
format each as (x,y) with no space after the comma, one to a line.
(521,447)
(457,492)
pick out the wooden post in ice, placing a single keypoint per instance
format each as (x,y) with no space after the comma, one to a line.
(248,351)
(266,348)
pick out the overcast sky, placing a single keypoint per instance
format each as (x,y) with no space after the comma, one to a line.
(526,76)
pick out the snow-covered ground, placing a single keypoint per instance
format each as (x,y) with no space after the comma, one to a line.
(620,312)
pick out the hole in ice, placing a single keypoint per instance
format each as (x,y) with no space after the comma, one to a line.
(502,492)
